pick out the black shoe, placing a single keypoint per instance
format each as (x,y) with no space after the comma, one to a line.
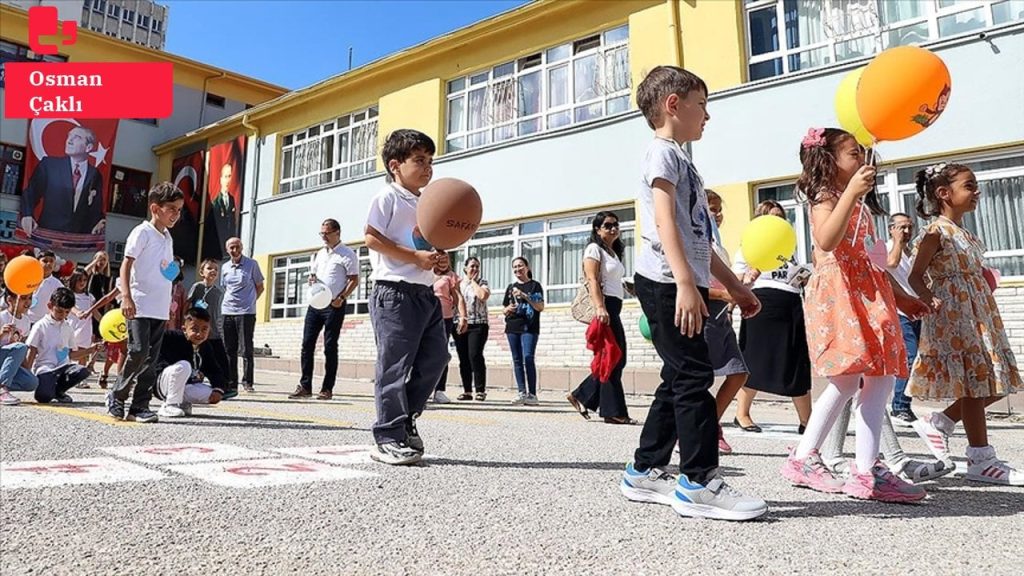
(395,453)
(64,399)
(464,396)
(481,396)
(248,388)
(229,394)
(801,429)
(904,418)
(413,436)
(300,393)
(115,407)
(751,428)
(144,416)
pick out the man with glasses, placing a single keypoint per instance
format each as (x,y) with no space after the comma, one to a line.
(899,263)
(336,266)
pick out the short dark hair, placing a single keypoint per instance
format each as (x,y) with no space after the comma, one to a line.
(165,193)
(659,83)
(895,215)
(8,294)
(47,254)
(63,298)
(401,144)
(332,224)
(196,313)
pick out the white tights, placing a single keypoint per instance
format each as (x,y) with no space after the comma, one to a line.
(869,406)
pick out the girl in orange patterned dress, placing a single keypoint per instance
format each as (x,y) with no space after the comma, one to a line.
(963,353)
(853,333)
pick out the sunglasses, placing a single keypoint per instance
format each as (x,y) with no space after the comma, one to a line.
(610,225)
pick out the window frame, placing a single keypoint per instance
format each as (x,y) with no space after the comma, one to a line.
(129,173)
(342,166)
(13,150)
(357,303)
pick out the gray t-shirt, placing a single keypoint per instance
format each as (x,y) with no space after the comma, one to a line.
(209,298)
(665,159)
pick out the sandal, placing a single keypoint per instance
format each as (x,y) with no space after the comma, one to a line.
(103,382)
(481,396)
(622,420)
(465,396)
(579,407)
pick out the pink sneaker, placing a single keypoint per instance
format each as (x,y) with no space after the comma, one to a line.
(811,473)
(723,446)
(8,399)
(882,485)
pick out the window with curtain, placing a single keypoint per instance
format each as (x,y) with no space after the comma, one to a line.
(334,151)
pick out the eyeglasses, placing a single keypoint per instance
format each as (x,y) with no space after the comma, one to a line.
(326,234)
(610,225)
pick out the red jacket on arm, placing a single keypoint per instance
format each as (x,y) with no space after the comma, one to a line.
(601,340)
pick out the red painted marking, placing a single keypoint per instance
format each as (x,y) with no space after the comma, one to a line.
(58,468)
(266,470)
(164,451)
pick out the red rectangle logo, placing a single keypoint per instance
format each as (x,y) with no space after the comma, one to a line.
(89,89)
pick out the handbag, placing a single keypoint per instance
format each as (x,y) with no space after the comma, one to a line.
(582,307)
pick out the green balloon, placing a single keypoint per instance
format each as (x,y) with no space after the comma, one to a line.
(645,328)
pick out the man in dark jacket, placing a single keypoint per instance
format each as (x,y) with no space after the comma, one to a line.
(187,362)
(69,187)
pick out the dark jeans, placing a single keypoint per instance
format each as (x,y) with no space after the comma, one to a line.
(683,409)
(472,366)
(911,334)
(523,347)
(607,397)
(145,336)
(449,328)
(410,354)
(55,383)
(329,320)
(220,353)
(238,329)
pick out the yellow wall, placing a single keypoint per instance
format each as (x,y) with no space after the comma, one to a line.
(263,303)
(737,210)
(714,43)
(419,107)
(649,43)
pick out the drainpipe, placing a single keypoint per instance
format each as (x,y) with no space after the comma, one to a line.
(256,181)
(202,103)
(675,38)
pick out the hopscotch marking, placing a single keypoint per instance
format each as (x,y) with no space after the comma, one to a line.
(337,455)
(183,453)
(39,473)
(273,472)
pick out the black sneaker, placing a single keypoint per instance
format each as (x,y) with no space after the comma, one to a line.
(64,399)
(144,416)
(115,407)
(229,394)
(904,418)
(395,453)
(413,436)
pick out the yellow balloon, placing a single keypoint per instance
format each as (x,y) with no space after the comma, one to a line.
(768,242)
(113,326)
(846,108)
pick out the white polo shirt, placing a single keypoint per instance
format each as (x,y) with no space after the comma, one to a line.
(53,342)
(333,266)
(393,214)
(153,252)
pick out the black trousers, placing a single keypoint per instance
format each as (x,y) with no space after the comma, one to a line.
(607,397)
(683,409)
(472,366)
(329,320)
(145,336)
(449,328)
(238,331)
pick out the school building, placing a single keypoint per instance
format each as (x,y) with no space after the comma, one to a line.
(535,107)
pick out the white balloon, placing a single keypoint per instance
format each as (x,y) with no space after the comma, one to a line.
(318,296)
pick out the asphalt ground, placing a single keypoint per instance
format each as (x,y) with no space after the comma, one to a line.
(504,490)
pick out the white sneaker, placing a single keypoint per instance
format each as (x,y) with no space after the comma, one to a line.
(916,471)
(983,466)
(654,485)
(531,400)
(441,398)
(170,411)
(519,400)
(715,499)
(936,439)
(8,399)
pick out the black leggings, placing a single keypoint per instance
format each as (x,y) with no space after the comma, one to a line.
(472,367)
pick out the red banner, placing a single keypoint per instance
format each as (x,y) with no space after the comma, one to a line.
(188,177)
(224,196)
(88,89)
(63,205)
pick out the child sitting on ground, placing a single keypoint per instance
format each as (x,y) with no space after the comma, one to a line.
(52,351)
(188,359)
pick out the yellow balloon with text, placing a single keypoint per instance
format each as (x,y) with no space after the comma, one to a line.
(768,242)
(846,108)
(113,326)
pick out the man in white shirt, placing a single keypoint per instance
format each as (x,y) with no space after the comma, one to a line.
(336,266)
(898,263)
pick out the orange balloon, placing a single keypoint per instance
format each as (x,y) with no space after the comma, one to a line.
(23,275)
(902,91)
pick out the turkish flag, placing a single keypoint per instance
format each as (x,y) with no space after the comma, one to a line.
(187,174)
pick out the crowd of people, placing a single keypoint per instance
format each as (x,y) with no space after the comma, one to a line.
(923,322)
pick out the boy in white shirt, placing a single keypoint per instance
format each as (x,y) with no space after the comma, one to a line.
(52,351)
(412,349)
(148,270)
(14,329)
(46,288)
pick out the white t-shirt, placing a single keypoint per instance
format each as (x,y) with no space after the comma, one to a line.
(790,278)
(153,252)
(53,342)
(393,214)
(902,273)
(41,298)
(612,270)
(332,267)
(82,328)
(22,325)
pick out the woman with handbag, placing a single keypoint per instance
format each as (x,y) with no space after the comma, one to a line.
(603,270)
(523,303)
(470,344)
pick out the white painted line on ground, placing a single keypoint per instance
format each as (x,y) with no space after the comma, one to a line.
(38,473)
(184,453)
(768,432)
(274,472)
(338,455)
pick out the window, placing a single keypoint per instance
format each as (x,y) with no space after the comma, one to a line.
(291,276)
(785,36)
(12,168)
(129,190)
(333,151)
(996,220)
(99,5)
(143,21)
(158,25)
(576,82)
(11,52)
(114,10)
(215,100)
(128,16)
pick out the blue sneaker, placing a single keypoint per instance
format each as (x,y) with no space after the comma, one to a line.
(654,485)
(115,407)
(715,499)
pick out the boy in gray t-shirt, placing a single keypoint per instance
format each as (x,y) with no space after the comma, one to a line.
(673,273)
(208,295)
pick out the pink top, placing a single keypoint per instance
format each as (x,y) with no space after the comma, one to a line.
(443,287)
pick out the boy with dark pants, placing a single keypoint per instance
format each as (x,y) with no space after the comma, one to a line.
(673,272)
(52,353)
(412,349)
(148,270)
(188,360)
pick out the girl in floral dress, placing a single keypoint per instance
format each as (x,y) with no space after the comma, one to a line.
(963,353)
